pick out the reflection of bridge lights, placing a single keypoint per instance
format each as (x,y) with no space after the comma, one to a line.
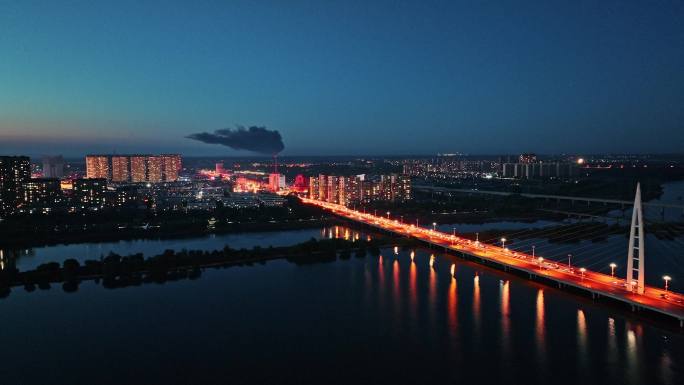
(453,270)
(432,260)
(413,255)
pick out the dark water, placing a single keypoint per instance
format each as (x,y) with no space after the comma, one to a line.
(30,258)
(368,320)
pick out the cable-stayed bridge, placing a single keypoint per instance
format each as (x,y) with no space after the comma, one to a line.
(630,290)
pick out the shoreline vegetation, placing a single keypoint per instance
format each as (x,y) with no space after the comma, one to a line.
(156,233)
(117,271)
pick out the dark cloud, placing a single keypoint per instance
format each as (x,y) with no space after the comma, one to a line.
(255,139)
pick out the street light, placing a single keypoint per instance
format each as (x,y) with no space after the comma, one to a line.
(569,258)
(532,251)
(388,213)
(582,270)
(541,261)
(477,237)
(503,243)
(434,226)
(612,269)
(667,279)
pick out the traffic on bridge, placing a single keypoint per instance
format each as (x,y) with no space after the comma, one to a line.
(661,301)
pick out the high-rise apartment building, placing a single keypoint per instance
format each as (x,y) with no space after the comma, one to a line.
(134,168)
(155,169)
(15,171)
(91,191)
(97,166)
(53,166)
(323,187)
(138,169)
(172,167)
(314,190)
(120,168)
(41,192)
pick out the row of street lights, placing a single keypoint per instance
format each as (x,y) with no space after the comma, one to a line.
(612,265)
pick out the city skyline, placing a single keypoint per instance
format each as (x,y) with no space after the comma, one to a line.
(342,79)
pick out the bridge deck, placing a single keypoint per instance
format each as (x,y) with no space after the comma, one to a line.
(667,303)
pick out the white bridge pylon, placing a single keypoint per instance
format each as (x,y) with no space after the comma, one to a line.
(635,254)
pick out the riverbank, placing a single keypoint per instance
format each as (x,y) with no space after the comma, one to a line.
(133,270)
(159,233)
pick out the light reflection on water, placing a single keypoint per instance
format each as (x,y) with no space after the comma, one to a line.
(459,325)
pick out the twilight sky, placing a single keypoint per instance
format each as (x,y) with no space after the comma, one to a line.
(343,77)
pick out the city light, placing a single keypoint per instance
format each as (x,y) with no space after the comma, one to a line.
(667,279)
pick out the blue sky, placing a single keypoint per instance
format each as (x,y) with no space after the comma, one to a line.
(347,77)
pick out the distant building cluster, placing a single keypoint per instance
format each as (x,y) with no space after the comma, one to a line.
(359,189)
(448,167)
(134,168)
(539,170)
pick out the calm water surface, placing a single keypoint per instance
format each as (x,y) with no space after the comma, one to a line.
(364,320)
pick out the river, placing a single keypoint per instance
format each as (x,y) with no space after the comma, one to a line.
(364,320)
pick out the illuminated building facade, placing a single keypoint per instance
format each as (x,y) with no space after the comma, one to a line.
(120,169)
(42,192)
(333,185)
(314,190)
(15,171)
(349,190)
(155,169)
(91,191)
(323,187)
(276,181)
(97,166)
(172,167)
(138,169)
(134,168)
(527,158)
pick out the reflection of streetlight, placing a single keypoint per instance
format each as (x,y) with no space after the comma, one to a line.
(582,270)
(667,279)
(503,243)
(612,269)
